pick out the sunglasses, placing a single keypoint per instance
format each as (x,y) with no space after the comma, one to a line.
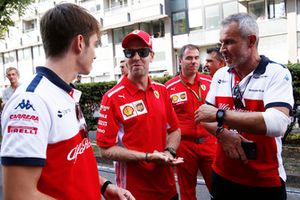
(238,97)
(143,52)
(79,116)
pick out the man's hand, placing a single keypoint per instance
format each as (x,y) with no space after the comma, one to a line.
(114,192)
(164,158)
(205,113)
(231,144)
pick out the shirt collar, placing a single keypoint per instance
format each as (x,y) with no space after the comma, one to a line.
(197,79)
(133,89)
(52,77)
(260,69)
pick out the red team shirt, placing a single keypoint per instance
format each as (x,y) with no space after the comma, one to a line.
(139,120)
(185,103)
(270,85)
(41,126)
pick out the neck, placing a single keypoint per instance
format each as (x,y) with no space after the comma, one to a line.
(62,68)
(189,77)
(14,85)
(140,82)
(251,66)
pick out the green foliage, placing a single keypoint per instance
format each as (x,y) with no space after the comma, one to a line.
(162,80)
(91,98)
(7,9)
(295,71)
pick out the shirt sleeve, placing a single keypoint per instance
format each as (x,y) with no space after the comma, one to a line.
(5,96)
(279,93)
(108,125)
(211,95)
(25,129)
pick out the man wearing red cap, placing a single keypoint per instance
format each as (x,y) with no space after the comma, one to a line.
(138,127)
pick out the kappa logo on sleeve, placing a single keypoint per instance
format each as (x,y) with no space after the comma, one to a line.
(133,109)
(26,105)
(178,97)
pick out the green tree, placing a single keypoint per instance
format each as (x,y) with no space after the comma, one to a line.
(7,9)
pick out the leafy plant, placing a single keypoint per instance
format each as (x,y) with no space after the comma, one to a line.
(7,9)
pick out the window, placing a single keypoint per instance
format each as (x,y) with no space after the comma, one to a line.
(146,27)
(154,28)
(104,39)
(177,5)
(229,8)
(195,19)
(257,9)
(118,35)
(212,16)
(179,23)
(29,25)
(210,2)
(158,29)
(276,9)
(194,3)
(127,30)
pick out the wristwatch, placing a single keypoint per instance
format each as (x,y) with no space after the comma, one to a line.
(172,151)
(220,117)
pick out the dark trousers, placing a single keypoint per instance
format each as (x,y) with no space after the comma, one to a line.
(223,189)
(175,197)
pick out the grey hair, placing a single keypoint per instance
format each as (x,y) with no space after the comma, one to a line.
(11,69)
(246,23)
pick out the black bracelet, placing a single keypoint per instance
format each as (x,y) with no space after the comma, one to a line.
(104,186)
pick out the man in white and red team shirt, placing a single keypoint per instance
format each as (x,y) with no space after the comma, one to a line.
(45,151)
(138,126)
(197,147)
(249,103)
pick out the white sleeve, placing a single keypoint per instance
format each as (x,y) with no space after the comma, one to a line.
(25,128)
(279,93)
(211,95)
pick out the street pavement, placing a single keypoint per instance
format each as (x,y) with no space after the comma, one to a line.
(202,192)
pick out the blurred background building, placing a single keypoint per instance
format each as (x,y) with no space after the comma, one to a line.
(171,23)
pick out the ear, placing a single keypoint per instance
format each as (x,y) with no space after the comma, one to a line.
(252,40)
(78,43)
(151,56)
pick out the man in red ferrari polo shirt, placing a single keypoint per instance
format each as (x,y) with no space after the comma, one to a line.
(138,127)
(197,147)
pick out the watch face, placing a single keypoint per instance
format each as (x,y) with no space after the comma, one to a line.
(220,114)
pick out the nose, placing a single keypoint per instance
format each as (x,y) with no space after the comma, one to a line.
(222,47)
(136,55)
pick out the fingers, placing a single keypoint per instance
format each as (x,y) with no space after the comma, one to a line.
(242,155)
(128,195)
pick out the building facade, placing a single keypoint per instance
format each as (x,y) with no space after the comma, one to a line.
(171,23)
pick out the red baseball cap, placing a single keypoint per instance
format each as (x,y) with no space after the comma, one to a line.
(139,34)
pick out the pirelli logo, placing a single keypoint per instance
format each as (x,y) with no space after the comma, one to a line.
(22,129)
